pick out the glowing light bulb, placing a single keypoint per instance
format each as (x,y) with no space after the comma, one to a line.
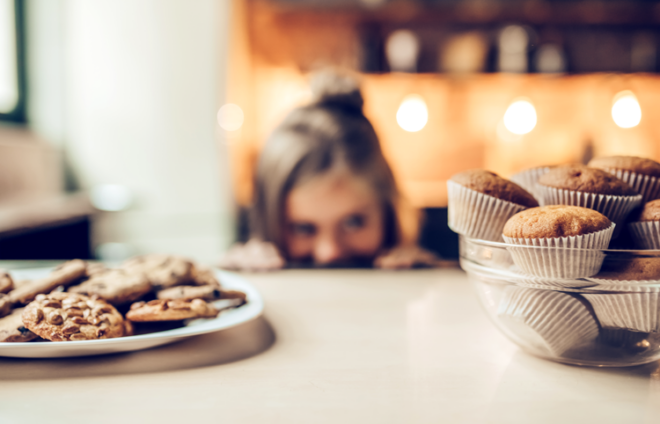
(626,111)
(230,117)
(412,115)
(520,117)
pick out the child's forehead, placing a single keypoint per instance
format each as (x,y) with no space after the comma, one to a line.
(330,196)
(338,177)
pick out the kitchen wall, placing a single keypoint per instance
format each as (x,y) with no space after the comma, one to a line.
(127,91)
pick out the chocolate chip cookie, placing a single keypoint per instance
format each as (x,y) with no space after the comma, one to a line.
(170,310)
(6,282)
(205,277)
(71,316)
(163,271)
(208,293)
(64,275)
(94,268)
(5,305)
(12,329)
(116,286)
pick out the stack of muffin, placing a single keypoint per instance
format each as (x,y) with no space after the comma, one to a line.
(558,246)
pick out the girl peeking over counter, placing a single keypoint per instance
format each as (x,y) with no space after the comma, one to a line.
(324,193)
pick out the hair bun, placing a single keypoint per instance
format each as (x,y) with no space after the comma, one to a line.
(336,88)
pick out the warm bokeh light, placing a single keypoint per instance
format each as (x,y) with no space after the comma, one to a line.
(626,111)
(413,114)
(520,117)
(402,51)
(230,117)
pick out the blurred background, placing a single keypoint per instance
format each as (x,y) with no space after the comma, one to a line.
(134,126)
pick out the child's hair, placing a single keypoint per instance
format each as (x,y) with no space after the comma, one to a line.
(311,140)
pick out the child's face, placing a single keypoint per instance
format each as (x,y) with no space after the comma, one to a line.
(333,218)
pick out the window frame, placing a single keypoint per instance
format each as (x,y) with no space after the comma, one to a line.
(19,115)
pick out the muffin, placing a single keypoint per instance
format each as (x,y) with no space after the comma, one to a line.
(631,269)
(527,178)
(550,321)
(645,230)
(593,188)
(480,202)
(636,274)
(568,240)
(642,174)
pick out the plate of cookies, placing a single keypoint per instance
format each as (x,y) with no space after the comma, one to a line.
(82,308)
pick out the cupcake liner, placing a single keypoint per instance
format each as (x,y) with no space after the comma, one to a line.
(638,286)
(551,321)
(561,257)
(554,283)
(478,215)
(622,338)
(647,186)
(527,179)
(616,208)
(629,311)
(645,234)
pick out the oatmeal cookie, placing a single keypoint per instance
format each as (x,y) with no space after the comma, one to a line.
(116,286)
(170,310)
(71,316)
(163,271)
(64,275)
(12,329)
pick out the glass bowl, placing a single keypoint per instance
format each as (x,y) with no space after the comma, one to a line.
(607,314)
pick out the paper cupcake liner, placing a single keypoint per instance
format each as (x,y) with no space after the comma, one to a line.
(645,234)
(621,338)
(647,186)
(527,179)
(638,286)
(616,208)
(629,311)
(554,283)
(551,321)
(478,215)
(561,257)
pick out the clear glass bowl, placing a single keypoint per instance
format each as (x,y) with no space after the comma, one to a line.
(606,315)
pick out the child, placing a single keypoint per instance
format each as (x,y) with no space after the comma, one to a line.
(324,194)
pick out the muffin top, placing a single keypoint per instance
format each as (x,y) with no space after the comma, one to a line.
(489,183)
(631,269)
(630,163)
(651,211)
(555,221)
(586,179)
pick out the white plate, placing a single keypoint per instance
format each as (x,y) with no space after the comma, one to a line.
(226,319)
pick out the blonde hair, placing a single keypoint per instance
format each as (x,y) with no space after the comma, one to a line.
(310,141)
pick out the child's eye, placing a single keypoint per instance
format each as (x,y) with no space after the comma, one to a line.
(354,222)
(302,229)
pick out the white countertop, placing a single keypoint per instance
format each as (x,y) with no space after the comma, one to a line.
(336,346)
